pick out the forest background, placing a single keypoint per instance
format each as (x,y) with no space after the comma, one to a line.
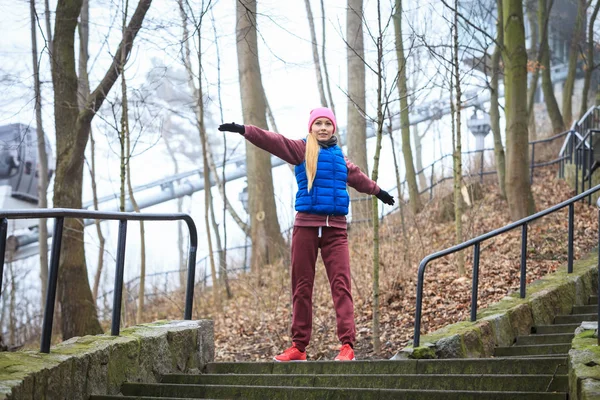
(155,122)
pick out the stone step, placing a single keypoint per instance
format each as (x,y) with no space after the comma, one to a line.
(532,349)
(593,299)
(535,366)
(534,383)
(588,309)
(110,397)
(575,318)
(556,328)
(139,390)
(551,338)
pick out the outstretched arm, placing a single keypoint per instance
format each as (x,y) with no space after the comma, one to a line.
(362,183)
(289,150)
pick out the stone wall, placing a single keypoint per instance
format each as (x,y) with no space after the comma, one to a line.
(82,366)
(584,364)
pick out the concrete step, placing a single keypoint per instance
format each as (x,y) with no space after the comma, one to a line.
(532,350)
(588,309)
(575,318)
(551,338)
(295,393)
(534,383)
(109,397)
(477,366)
(556,328)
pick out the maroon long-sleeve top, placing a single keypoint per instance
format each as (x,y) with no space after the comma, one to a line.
(292,151)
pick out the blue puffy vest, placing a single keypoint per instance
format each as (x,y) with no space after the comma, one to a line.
(328,194)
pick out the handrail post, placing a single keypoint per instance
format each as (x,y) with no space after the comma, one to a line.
(523,260)
(577,171)
(475,287)
(3,233)
(118,291)
(598,283)
(418,306)
(531,163)
(52,281)
(191,276)
(570,240)
(590,163)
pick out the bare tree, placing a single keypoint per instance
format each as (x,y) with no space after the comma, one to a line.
(494,104)
(589,59)
(323,57)
(567,94)
(518,189)
(534,68)
(199,112)
(267,241)
(42,155)
(409,168)
(83,93)
(315,52)
(457,147)
(556,118)
(72,128)
(356,127)
(381,111)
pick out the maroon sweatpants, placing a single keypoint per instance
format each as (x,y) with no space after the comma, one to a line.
(334,252)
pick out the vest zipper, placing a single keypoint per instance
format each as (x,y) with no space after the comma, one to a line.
(327,221)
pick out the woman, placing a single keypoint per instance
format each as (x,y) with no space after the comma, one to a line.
(322,202)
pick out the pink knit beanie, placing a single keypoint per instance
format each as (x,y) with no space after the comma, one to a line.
(322,112)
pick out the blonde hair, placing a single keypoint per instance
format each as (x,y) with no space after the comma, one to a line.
(310,156)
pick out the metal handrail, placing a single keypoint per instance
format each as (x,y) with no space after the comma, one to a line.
(476,242)
(60,214)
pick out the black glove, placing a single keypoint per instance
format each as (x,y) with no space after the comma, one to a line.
(232,127)
(385,197)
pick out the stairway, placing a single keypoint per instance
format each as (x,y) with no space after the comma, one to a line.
(535,367)
(498,378)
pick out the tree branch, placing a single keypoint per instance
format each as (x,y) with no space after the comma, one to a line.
(95,100)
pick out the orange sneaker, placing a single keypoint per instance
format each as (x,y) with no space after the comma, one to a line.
(291,354)
(346,353)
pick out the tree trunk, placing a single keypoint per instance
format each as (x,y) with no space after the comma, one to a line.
(356,127)
(457,158)
(400,195)
(180,241)
(222,247)
(518,189)
(535,73)
(42,156)
(576,39)
(494,107)
(72,129)
(315,53)
(547,85)
(198,94)
(418,139)
(101,240)
(267,241)
(126,134)
(375,175)
(409,168)
(49,41)
(589,58)
(83,93)
(323,53)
